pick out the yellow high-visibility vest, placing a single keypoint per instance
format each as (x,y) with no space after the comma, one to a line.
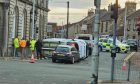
(16,43)
(32,44)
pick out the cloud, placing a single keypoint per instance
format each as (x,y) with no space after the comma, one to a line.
(72,3)
(78,9)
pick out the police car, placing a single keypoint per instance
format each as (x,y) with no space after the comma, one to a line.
(107,44)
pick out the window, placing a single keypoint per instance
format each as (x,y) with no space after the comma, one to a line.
(38,2)
(15,22)
(134,27)
(62,49)
(102,27)
(106,26)
(133,37)
(84,38)
(129,25)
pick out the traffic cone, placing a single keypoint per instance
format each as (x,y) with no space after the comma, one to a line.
(32,60)
(124,66)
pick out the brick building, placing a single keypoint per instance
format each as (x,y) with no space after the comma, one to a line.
(107,24)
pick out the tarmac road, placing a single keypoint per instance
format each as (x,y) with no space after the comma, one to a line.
(46,72)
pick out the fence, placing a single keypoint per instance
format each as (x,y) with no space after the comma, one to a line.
(125,70)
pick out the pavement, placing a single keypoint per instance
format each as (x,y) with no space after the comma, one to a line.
(136,59)
(120,82)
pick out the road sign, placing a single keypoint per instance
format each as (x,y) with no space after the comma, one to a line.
(84,27)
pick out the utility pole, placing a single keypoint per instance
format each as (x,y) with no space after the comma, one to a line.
(114,9)
(95,52)
(33,20)
(67,19)
(124,38)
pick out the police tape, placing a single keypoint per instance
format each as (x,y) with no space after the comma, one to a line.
(129,57)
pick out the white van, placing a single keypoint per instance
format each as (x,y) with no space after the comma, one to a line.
(50,44)
(81,47)
(89,39)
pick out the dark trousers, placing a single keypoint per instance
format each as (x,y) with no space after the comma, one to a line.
(39,54)
(16,51)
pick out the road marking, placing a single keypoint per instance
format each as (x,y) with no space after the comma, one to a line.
(129,56)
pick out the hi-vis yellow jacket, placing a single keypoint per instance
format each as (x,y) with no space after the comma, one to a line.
(16,43)
(32,44)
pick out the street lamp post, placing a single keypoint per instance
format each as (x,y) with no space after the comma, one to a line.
(95,53)
(114,9)
(67,19)
(33,17)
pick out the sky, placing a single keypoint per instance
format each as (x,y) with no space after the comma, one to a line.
(78,9)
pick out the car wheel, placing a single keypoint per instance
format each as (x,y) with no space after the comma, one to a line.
(125,51)
(72,60)
(117,50)
(136,49)
(53,60)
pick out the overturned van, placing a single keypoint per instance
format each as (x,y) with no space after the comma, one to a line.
(80,45)
(49,45)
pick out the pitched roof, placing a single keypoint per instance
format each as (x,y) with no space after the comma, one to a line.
(134,15)
(107,15)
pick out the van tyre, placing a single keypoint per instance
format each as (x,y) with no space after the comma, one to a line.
(90,51)
(53,60)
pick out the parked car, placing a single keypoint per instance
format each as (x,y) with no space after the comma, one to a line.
(66,52)
(133,44)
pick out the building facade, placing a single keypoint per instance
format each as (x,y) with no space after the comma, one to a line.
(107,23)
(16,20)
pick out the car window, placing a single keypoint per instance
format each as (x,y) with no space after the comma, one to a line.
(84,38)
(105,40)
(131,41)
(62,49)
(110,41)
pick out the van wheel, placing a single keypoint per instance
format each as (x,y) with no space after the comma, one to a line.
(53,60)
(72,60)
(117,50)
(90,51)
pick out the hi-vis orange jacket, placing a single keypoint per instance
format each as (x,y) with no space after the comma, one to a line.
(22,43)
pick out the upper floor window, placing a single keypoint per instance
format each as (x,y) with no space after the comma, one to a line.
(129,25)
(38,2)
(134,27)
(101,27)
(42,3)
(106,27)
